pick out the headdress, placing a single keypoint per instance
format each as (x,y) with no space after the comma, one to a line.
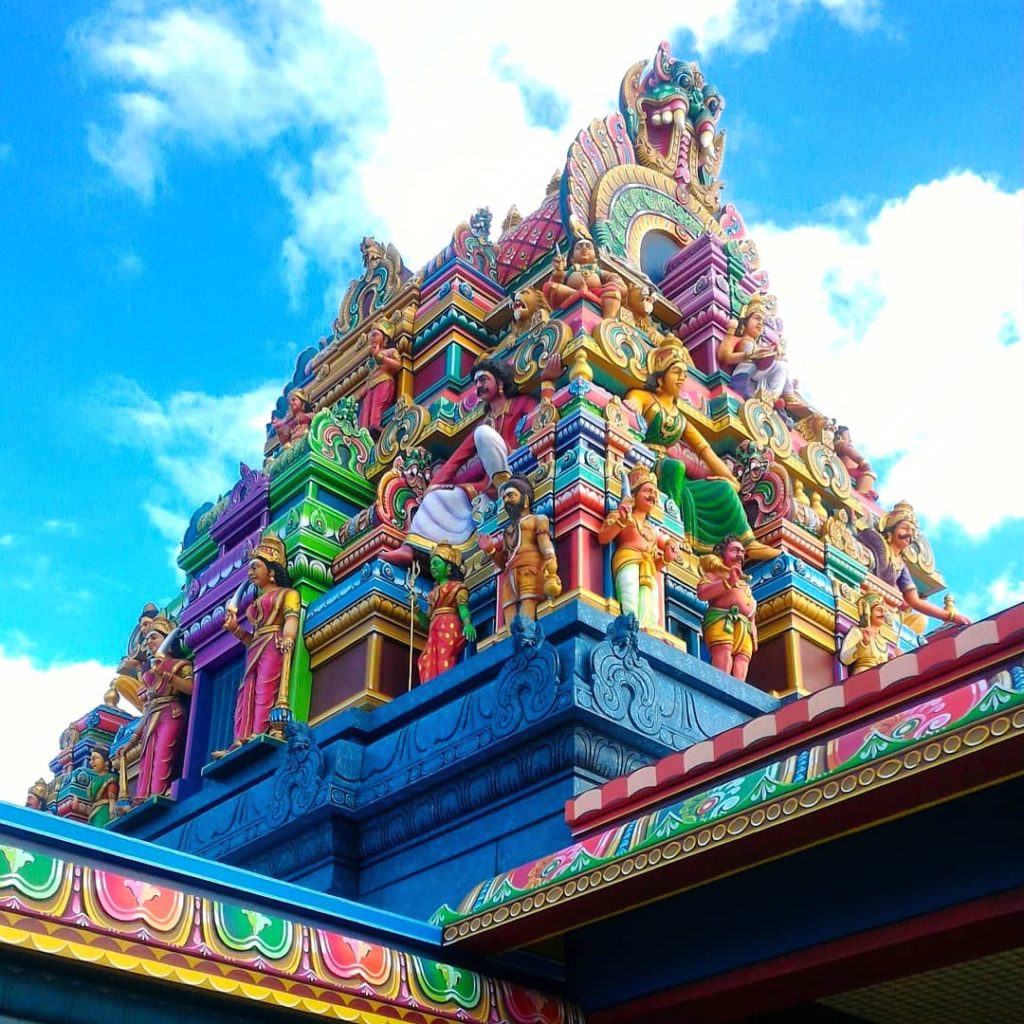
(902,512)
(864,605)
(300,394)
(271,548)
(450,554)
(640,475)
(666,356)
(386,327)
(40,789)
(758,303)
(162,625)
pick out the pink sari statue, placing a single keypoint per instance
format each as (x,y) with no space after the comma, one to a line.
(379,389)
(274,616)
(166,688)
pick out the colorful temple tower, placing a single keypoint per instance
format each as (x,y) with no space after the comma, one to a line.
(547,553)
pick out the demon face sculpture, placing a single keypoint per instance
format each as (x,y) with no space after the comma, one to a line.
(671,115)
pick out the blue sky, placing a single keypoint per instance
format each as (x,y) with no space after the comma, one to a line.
(183,187)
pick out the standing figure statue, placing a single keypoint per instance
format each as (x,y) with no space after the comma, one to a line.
(160,738)
(446,510)
(584,279)
(729,628)
(274,616)
(897,531)
(101,790)
(857,466)
(698,481)
(379,389)
(524,552)
(864,646)
(641,550)
(294,425)
(447,620)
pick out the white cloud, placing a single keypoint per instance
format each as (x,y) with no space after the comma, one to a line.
(1002,592)
(376,94)
(43,700)
(911,333)
(195,441)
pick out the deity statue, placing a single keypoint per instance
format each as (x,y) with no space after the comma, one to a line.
(447,620)
(864,646)
(160,737)
(729,628)
(698,481)
(524,552)
(295,424)
(480,461)
(38,795)
(101,790)
(379,390)
(641,550)
(585,279)
(748,355)
(274,616)
(861,473)
(127,683)
(896,532)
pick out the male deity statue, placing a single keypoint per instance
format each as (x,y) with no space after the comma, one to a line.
(524,552)
(864,646)
(641,550)
(446,511)
(584,278)
(897,530)
(730,630)
(857,465)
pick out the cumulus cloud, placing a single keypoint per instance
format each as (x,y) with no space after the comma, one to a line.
(194,441)
(373,96)
(1002,592)
(42,699)
(913,337)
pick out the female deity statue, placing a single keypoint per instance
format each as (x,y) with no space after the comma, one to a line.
(160,737)
(752,360)
(447,619)
(698,481)
(101,790)
(294,425)
(379,389)
(864,646)
(274,616)
(641,551)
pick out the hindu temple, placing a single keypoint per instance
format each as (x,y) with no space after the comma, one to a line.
(561,662)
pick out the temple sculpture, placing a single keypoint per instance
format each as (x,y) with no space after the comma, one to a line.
(556,614)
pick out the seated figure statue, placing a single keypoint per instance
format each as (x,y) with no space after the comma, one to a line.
(584,279)
(478,465)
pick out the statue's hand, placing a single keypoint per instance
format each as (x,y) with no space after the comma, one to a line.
(960,620)
(625,510)
(486,543)
(284,644)
(558,264)
(469,632)
(231,620)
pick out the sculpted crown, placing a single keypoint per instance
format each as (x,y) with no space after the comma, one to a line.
(902,512)
(271,547)
(448,553)
(640,475)
(667,355)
